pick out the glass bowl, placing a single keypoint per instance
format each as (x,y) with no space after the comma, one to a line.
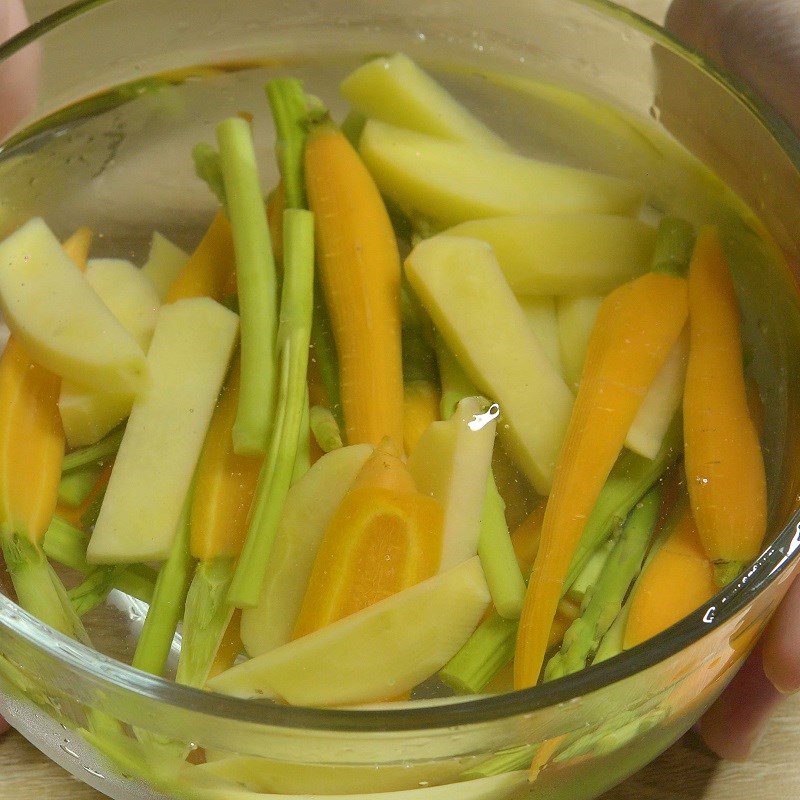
(120,89)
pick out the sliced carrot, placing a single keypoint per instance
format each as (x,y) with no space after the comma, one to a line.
(225,484)
(359,265)
(635,329)
(420,409)
(676,582)
(384,537)
(208,271)
(724,464)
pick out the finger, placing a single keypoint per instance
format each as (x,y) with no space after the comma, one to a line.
(18,75)
(734,725)
(3,726)
(780,644)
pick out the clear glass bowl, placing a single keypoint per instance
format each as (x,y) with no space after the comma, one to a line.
(105,143)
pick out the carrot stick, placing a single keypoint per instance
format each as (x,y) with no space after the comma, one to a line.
(359,265)
(635,329)
(677,579)
(724,464)
(208,271)
(384,537)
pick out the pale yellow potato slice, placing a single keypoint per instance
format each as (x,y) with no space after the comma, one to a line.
(394,89)
(309,508)
(379,652)
(463,289)
(451,463)
(662,400)
(130,295)
(450,182)
(543,321)
(50,306)
(188,359)
(565,254)
(576,318)
(164,264)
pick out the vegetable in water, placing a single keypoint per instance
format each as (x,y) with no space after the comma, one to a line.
(576,317)
(542,320)
(373,654)
(565,254)
(461,286)
(164,263)
(187,361)
(451,182)
(75,337)
(395,90)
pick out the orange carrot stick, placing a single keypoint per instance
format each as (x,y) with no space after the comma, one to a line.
(635,329)
(208,271)
(724,464)
(359,265)
(676,581)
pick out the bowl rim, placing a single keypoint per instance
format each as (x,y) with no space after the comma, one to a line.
(776,559)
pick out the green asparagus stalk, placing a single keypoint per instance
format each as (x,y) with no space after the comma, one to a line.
(603,601)
(325,429)
(76,484)
(674,246)
(205,619)
(169,597)
(505,761)
(257,286)
(503,575)
(208,167)
(489,649)
(290,112)
(293,343)
(302,462)
(591,572)
(93,591)
(39,590)
(94,454)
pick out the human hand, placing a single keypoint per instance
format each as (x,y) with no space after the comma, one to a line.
(759,41)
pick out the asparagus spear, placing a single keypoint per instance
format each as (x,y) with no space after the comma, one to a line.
(257,285)
(76,484)
(603,602)
(94,454)
(169,596)
(294,337)
(325,429)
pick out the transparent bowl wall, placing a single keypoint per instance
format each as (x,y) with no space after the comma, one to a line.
(596,727)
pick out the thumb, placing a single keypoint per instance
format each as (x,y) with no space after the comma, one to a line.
(18,75)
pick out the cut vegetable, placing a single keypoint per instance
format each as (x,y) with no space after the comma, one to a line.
(76,337)
(164,263)
(461,285)
(565,254)
(132,299)
(637,326)
(724,463)
(256,286)
(188,359)
(677,580)
(662,401)
(451,183)
(451,463)
(360,270)
(373,654)
(224,485)
(384,537)
(541,315)
(309,508)
(208,271)
(576,318)
(395,90)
